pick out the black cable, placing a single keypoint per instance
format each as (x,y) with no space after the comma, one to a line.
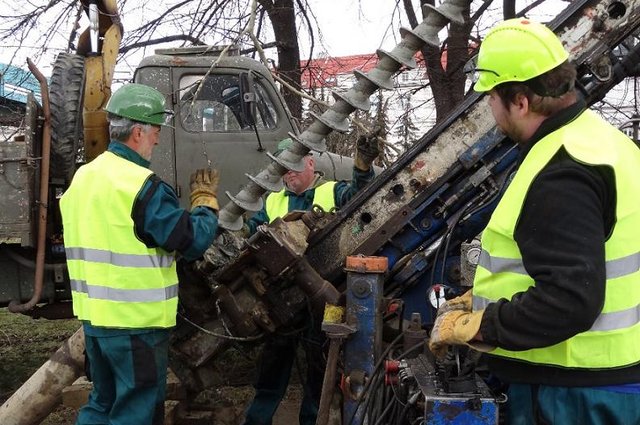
(432,278)
(466,211)
(403,413)
(404,402)
(377,398)
(376,370)
(383,392)
(396,405)
(396,397)
(635,94)
(384,413)
(382,396)
(451,228)
(394,412)
(418,421)
(369,408)
(370,396)
(447,240)
(409,350)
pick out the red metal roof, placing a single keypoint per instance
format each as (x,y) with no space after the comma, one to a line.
(323,72)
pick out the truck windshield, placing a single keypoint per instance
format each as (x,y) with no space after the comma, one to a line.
(214,105)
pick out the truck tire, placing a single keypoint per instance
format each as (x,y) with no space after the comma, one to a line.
(66,91)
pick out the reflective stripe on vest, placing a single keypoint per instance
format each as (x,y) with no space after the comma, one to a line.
(116,281)
(117,259)
(126,295)
(277,204)
(614,338)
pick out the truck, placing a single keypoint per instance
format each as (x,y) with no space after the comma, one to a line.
(392,254)
(224,106)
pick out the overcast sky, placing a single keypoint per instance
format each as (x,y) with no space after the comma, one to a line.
(346,28)
(349,29)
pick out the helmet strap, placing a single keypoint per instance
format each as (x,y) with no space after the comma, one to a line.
(538,88)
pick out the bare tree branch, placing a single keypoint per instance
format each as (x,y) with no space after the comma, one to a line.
(155,41)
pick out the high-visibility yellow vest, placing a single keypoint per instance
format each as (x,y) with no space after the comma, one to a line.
(277,204)
(614,339)
(116,281)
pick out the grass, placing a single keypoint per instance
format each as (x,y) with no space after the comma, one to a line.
(25,344)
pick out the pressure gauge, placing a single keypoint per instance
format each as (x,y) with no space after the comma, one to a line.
(436,295)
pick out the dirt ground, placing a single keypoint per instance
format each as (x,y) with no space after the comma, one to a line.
(25,344)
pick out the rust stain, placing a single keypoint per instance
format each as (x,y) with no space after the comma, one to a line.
(419,164)
(178,61)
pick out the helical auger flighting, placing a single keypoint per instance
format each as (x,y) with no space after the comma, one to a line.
(337,116)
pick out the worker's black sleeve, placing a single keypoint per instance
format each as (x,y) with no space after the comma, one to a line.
(568,214)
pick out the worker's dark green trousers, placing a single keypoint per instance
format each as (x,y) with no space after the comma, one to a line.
(274,370)
(547,405)
(129,374)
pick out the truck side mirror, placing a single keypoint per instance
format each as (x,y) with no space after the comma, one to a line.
(248,99)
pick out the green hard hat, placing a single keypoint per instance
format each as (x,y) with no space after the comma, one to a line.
(138,103)
(517,50)
(283,145)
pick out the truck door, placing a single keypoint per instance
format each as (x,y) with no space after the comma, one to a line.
(213,128)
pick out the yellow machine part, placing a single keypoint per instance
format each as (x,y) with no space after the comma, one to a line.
(99,69)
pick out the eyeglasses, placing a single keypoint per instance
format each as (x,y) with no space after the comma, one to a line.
(473,72)
(476,73)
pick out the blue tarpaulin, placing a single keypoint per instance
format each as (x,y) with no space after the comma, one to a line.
(16,83)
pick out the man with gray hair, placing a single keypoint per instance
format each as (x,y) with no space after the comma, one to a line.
(123,230)
(302,190)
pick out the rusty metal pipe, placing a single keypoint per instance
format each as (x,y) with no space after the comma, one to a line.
(318,290)
(15,306)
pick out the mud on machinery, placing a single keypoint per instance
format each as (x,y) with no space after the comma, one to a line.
(414,217)
(231,121)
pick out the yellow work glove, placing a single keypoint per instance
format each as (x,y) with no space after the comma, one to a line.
(455,327)
(367,150)
(204,189)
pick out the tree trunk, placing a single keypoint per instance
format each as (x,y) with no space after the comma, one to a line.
(283,20)
(447,84)
(42,392)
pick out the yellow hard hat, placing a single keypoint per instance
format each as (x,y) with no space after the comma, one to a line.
(517,50)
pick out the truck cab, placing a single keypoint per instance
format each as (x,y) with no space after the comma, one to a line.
(227,114)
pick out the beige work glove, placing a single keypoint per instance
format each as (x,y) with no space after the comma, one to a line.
(204,188)
(456,324)
(464,303)
(367,150)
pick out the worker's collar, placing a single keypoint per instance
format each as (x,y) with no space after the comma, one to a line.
(554,122)
(126,152)
(317,181)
